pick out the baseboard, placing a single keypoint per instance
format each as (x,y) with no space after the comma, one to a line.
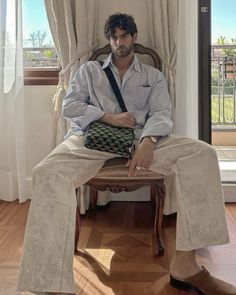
(8,188)
(229,192)
(139,195)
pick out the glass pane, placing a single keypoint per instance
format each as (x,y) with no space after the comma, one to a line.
(39,49)
(223,86)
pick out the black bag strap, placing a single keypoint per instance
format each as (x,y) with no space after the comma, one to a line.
(115,88)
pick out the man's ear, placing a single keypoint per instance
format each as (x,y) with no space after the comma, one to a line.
(135,37)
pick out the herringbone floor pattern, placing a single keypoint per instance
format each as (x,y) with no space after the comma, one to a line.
(116,248)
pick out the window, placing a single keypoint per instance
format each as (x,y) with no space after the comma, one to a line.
(41,66)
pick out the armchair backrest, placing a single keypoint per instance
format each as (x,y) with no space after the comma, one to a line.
(146,55)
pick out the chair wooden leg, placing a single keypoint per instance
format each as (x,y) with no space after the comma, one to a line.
(153,197)
(77,228)
(93,198)
(159,192)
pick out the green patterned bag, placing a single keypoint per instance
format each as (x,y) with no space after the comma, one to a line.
(107,138)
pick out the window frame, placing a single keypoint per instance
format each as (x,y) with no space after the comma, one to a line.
(204,72)
(41,76)
(36,71)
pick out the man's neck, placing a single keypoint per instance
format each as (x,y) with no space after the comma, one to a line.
(123,63)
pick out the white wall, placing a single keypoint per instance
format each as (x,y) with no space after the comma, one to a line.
(137,8)
(40,125)
(39,137)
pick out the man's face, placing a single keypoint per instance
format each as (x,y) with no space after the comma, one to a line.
(122,43)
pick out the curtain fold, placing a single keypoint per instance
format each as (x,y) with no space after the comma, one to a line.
(173,34)
(73,27)
(186,110)
(12,125)
(74,30)
(162,29)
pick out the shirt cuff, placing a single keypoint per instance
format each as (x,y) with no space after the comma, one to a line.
(157,137)
(91,114)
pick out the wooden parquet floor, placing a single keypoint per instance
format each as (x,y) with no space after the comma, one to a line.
(116,248)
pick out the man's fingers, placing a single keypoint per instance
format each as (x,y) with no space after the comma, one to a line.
(136,167)
(125,123)
(129,122)
(127,163)
(132,167)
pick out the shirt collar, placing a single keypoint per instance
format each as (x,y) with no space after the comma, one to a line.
(135,64)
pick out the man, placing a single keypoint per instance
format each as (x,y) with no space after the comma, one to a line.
(48,248)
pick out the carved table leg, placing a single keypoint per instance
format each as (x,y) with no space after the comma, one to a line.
(159,191)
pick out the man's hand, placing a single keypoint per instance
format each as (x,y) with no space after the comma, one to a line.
(119,120)
(142,158)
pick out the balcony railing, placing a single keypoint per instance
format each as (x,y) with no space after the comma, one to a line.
(223,85)
(40,57)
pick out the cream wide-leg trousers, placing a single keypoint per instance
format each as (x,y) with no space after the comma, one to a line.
(47,260)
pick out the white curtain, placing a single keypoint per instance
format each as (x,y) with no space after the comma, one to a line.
(12,126)
(73,25)
(186,109)
(173,34)
(162,29)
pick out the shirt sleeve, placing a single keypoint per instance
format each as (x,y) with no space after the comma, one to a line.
(159,122)
(76,106)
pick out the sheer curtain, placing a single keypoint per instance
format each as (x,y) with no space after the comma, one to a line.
(173,34)
(162,28)
(186,109)
(12,126)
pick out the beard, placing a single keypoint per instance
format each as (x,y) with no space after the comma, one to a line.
(123,51)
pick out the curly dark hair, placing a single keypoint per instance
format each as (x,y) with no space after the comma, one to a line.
(122,21)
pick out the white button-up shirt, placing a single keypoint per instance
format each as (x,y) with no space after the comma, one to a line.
(143,89)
